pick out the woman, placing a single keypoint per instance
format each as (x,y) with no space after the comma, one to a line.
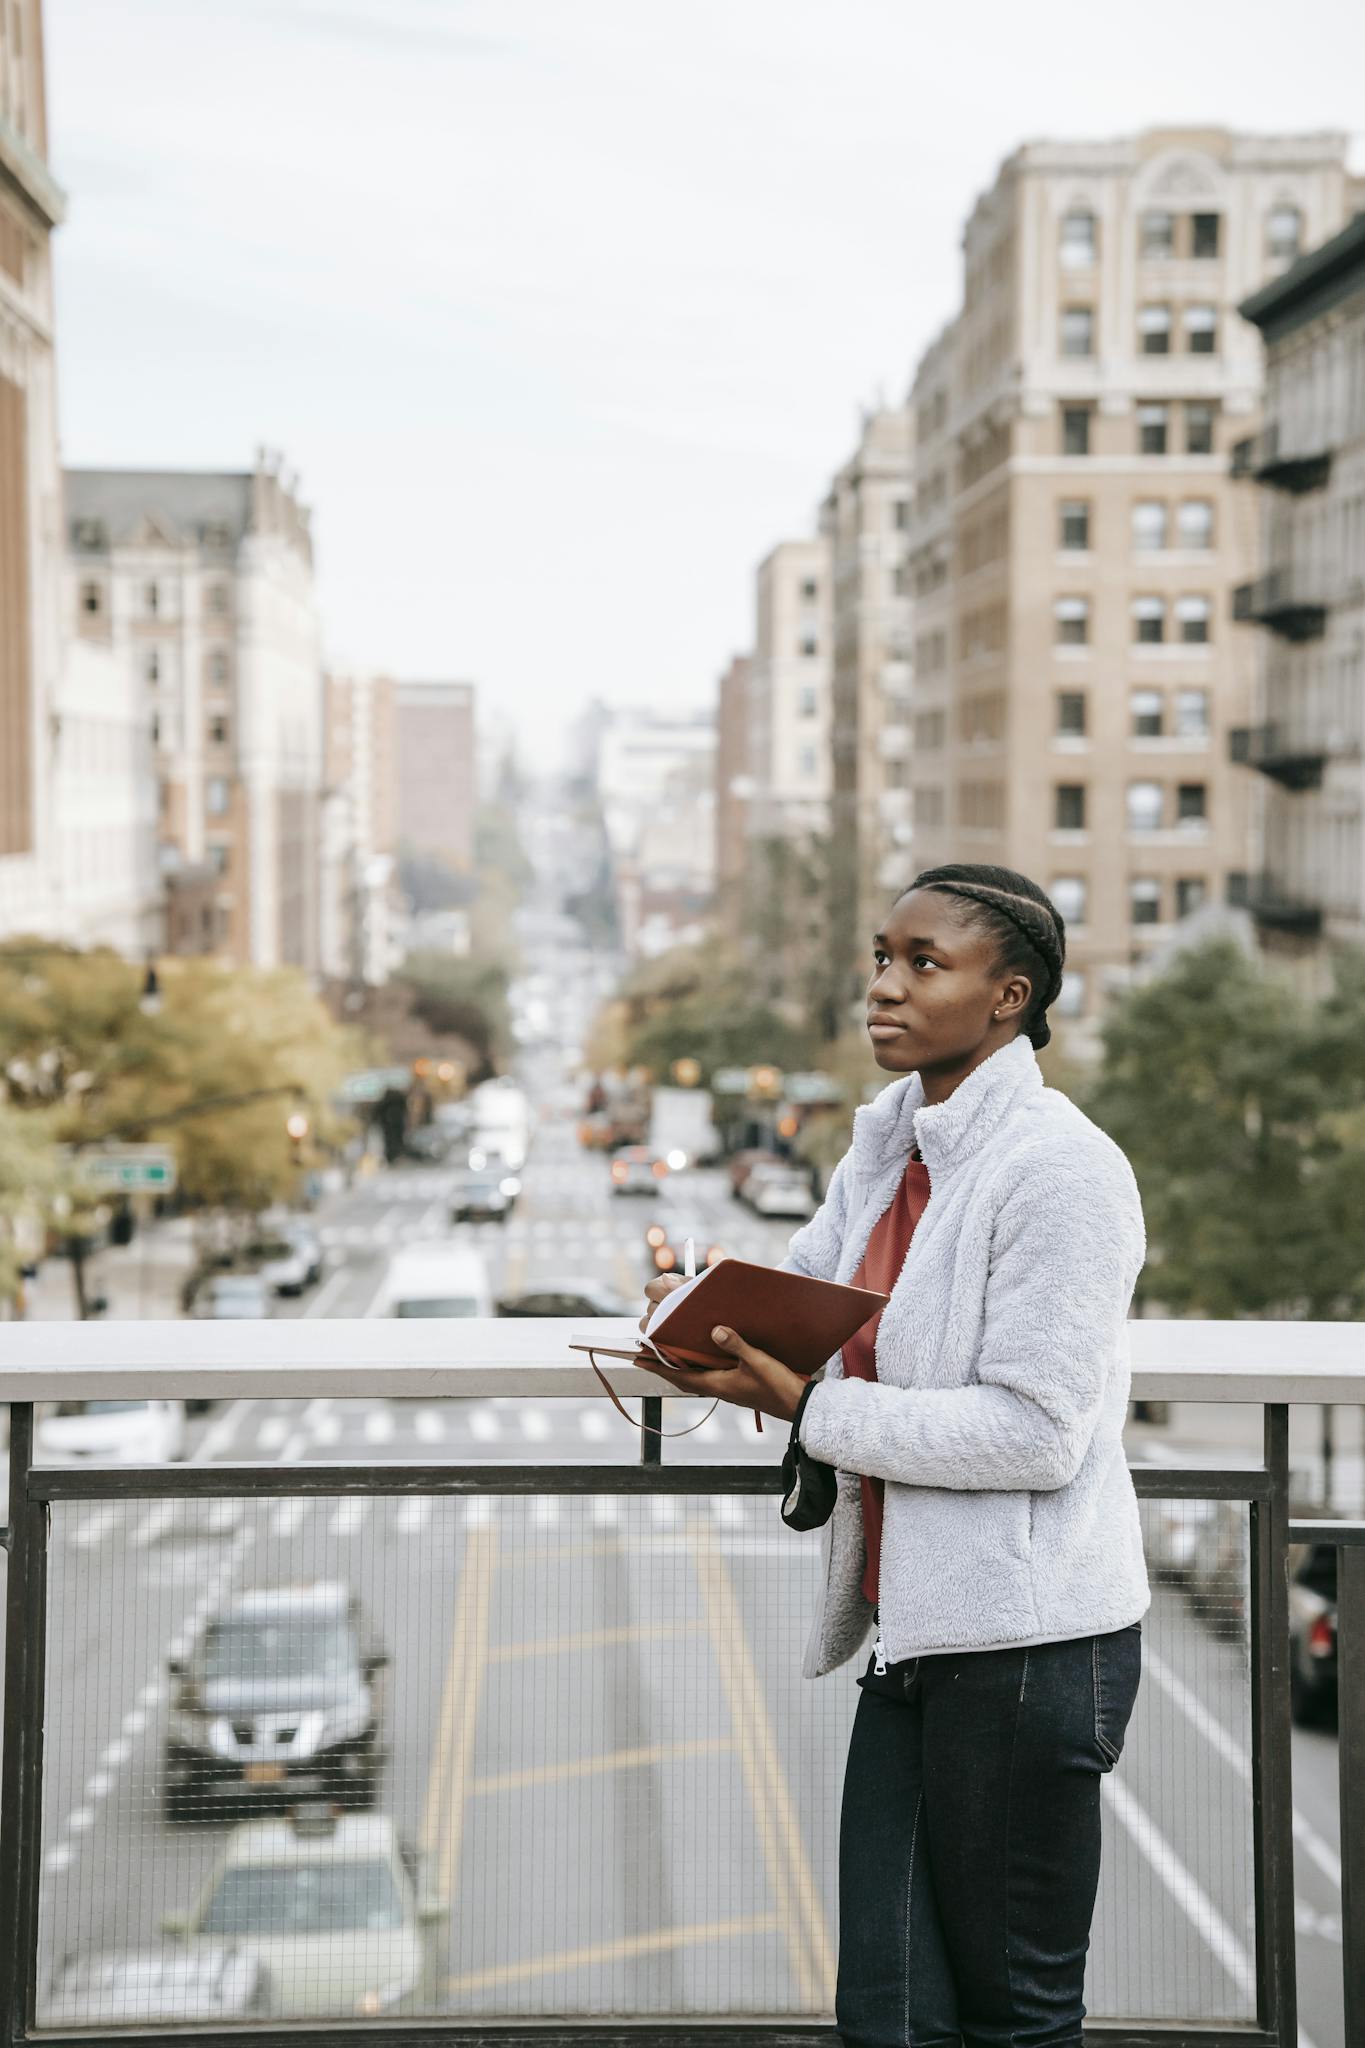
(984,1519)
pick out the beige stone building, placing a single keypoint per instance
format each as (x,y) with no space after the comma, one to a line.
(360,912)
(1076,535)
(437,772)
(734,786)
(865,522)
(789,691)
(1304,752)
(200,586)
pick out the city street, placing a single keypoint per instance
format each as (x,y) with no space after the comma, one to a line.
(596,1734)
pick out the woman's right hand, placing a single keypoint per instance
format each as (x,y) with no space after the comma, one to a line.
(655,1290)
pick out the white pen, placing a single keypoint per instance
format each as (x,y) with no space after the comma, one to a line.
(689,1260)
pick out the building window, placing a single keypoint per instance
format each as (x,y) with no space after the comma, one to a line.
(1149,523)
(1144,900)
(1071,995)
(808,764)
(218,599)
(1194,523)
(217,852)
(1071,621)
(218,729)
(151,599)
(1154,330)
(1075,525)
(1153,422)
(1149,620)
(809,644)
(1283,233)
(218,666)
(152,667)
(1191,893)
(156,730)
(91,600)
(1146,806)
(1147,714)
(1070,708)
(1237,887)
(1069,807)
(1204,234)
(1193,615)
(1199,430)
(216,796)
(1075,430)
(1201,330)
(810,701)
(900,514)
(1068,893)
(1192,714)
(1156,236)
(810,590)
(1078,331)
(1078,239)
(1191,804)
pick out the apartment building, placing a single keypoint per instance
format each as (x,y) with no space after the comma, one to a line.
(31,207)
(656,781)
(437,772)
(864,524)
(200,586)
(1304,752)
(1076,536)
(735,786)
(789,692)
(359,938)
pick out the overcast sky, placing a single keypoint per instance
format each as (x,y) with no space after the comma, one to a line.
(563,309)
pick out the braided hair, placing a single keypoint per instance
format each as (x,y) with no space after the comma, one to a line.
(1028,926)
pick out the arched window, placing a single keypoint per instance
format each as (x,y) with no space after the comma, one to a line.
(1078,239)
(1283,233)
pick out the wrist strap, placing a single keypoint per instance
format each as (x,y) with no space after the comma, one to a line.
(643,1426)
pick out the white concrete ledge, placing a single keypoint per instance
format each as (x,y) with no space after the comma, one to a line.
(441,1359)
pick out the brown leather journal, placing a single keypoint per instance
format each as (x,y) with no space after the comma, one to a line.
(792,1317)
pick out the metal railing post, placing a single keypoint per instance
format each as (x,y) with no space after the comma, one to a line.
(1271,1788)
(1351,1766)
(652,1429)
(21,1774)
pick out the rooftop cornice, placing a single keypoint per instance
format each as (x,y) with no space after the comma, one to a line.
(23,168)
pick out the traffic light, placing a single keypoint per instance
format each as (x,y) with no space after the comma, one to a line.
(296,1130)
(122,1224)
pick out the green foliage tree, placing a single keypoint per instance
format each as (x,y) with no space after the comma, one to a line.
(1241,1105)
(702,1003)
(462,997)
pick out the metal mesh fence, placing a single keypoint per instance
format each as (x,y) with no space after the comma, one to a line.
(517,1756)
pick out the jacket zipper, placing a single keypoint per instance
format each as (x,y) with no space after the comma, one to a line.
(879,1649)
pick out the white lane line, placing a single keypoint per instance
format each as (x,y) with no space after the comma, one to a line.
(379,1426)
(273,1432)
(288,1517)
(97,1785)
(321,1304)
(57,1859)
(413,1515)
(1235,1757)
(430,1426)
(219,1433)
(484,1424)
(95,1527)
(134,1721)
(79,1821)
(116,1753)
(351,1516)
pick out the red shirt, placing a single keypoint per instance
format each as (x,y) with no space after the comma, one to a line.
(880,1270)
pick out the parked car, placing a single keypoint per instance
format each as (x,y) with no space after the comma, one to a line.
(1312,1632)
(1219,1564)
(232,1297)
(280,1265)
(774,1189)
(1170,1531)
(567,1298)
(436,1278)
(429,1143)
(282,1692)
(333,1909)
(111,1433)
(742,1164)
(637,1171)
(484,1195)
(125,1987)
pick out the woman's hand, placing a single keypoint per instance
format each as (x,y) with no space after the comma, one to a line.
(655,1290)
(755,1380)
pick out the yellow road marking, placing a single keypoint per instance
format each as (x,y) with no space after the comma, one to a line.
(799,1906)
(591,1639)
(612,1951)
(598,1766)
(448,1787)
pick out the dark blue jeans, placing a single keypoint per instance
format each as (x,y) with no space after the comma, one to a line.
(969,1847)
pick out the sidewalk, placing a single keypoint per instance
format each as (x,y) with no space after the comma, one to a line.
(1218,1433)
(141,1280)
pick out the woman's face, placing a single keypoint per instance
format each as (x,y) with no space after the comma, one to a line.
(933,1002)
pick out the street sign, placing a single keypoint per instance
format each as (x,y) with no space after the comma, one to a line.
(730,1081)
(372,1082)
(129,1170)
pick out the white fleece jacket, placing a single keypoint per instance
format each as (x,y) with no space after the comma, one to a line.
(1002,1374)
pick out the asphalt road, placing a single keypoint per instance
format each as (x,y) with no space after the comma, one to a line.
(597,1734)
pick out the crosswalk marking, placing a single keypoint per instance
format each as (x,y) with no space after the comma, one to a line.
(93,1528)
(535,1424)
(413,1514)
(156,1523)
(351,1515)
(379,1426)
(288,1517)
(273,1432)
(430,1426)
(484,1424)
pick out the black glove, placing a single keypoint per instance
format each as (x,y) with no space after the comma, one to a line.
(809,1489)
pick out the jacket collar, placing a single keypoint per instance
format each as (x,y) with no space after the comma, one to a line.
(947,1132)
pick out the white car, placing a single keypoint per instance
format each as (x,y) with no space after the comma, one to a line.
(111,1433)
(330,1907)
(122,1987)
(779,1191)
(232,1297)
(435,1278)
